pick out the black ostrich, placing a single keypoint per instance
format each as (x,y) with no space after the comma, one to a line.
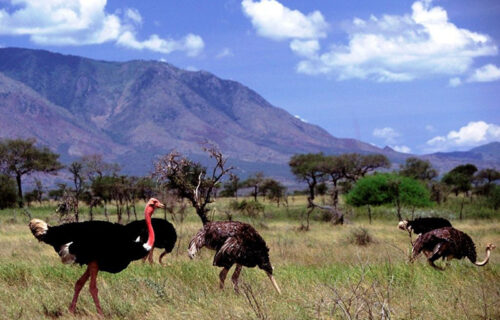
(235,243)
(101,245)
(423,225)
(165,235)
(448,243)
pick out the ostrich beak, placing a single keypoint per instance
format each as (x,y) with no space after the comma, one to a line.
(160,205)
(275,285)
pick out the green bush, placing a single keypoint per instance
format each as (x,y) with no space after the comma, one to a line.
(8,192)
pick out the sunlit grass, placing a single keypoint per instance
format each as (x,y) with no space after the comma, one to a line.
(321,273)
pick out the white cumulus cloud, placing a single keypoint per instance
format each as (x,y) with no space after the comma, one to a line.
(226,52)
(486,73)
(402,148)
(472,135)
(419,44)
(387,133)
(78,22)
(455,82)
(273,20)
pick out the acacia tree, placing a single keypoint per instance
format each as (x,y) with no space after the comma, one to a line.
(231,187)
(273,190)
(485,180)
(76,169)
(19,157)
(460,179)
(254,181)
(307,168)
(418,169)
(355,165)
(191,180)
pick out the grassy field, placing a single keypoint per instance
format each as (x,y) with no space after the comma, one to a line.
(322,274)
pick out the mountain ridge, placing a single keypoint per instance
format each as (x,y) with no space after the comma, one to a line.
(135,110)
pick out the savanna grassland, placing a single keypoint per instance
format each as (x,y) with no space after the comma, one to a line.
(323,274)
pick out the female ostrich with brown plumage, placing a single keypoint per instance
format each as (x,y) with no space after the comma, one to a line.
(448,243)
(235,243)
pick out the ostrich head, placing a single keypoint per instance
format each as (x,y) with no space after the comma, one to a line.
(155,203)
(38,228)
(490,246)
(265,264)
(403,225)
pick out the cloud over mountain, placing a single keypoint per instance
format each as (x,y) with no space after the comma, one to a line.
(76,23)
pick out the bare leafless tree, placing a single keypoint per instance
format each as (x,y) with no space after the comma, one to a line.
(191,180)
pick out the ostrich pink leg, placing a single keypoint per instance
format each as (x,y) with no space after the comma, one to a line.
(235,278)
(94,269)
(222,277)
(78,287)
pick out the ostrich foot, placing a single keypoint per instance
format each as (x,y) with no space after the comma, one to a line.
(435,266)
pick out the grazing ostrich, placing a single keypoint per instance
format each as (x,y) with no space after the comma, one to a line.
(448,243)
(423,225)
(101,245)
(165,235)
(235,243)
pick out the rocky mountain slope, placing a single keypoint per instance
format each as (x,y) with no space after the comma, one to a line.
(133,111)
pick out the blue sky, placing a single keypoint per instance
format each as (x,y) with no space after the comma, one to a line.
(420,76)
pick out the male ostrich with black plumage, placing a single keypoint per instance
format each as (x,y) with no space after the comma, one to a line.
(448,243)
(423,225)
(165,235)
(235,243)
(103,246)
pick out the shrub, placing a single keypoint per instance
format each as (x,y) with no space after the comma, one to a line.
(8,192)
(360,237)
(248,208)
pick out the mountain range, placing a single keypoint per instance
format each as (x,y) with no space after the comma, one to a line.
(131,112)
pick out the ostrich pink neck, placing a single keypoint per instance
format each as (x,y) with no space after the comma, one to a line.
(148,212)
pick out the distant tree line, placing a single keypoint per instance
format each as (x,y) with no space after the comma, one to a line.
(365,180)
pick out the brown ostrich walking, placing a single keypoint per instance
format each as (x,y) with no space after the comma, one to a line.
(235,243)
(448,243)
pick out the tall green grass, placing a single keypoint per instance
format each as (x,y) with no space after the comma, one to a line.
(322,273)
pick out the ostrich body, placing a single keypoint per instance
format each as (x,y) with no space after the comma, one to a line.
(235,243)
(448,243)
(423,225)
(165,235)
(101,245)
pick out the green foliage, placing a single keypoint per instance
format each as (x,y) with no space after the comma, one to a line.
(386,188)
(485,180)
(8,194)
(247,208)
(370,190)
(273,190)
(460,178)
(494,197)
(19,157)
(418,169)
(307,168)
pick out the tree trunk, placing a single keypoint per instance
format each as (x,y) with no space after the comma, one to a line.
(462,208)
(19,191)
(370,214)
(398,205)
(203,215)
(106,210)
